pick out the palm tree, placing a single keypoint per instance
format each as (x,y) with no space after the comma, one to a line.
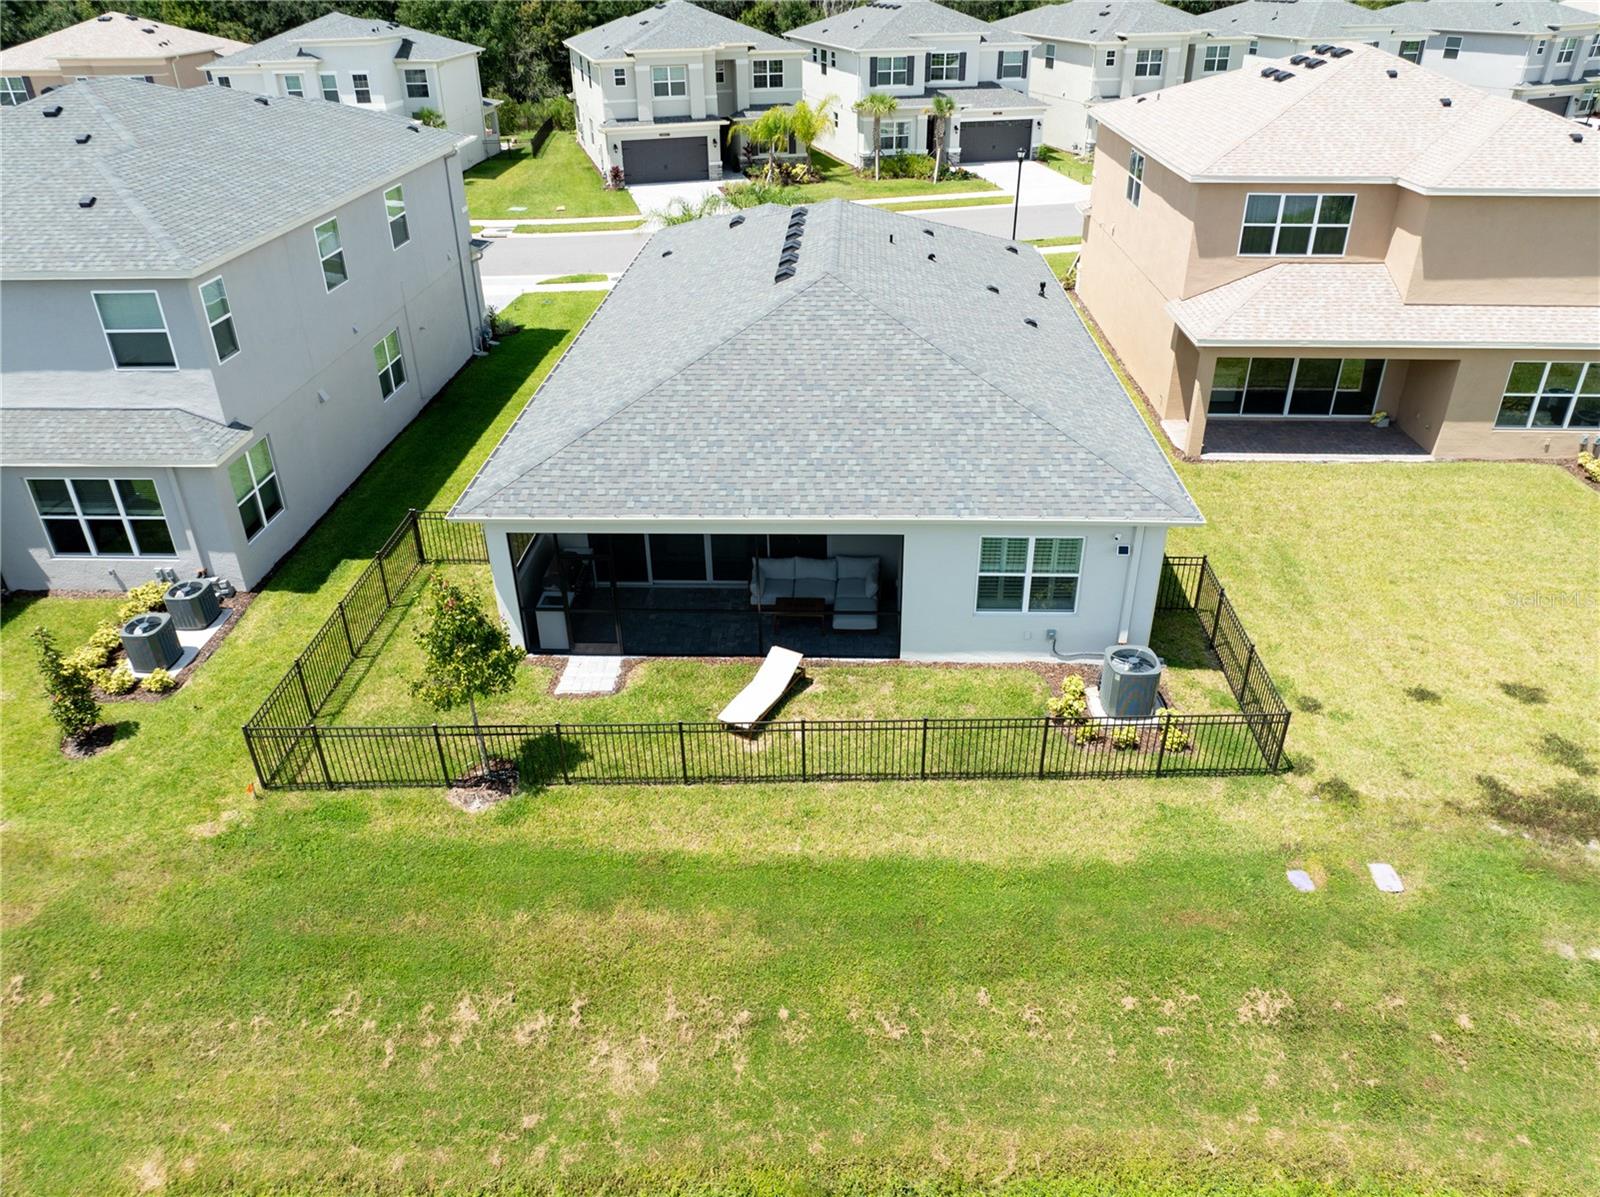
(942,109)
(879,107)
(769,131)
(808,123)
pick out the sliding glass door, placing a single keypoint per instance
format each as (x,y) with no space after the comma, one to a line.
(694,558)
(1307,388)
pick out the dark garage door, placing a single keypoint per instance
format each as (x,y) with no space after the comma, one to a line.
(993,141)
(665,160)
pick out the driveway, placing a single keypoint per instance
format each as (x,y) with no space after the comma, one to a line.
(1040,184)
(657,197)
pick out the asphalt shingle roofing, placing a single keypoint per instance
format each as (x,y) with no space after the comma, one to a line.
(100,436)
(1347,120)
(898,25)
(884,381)
(113,36)
(1095,22)
(181,178)
(1322,19)
(1535,17)
(421,46)
(674,25)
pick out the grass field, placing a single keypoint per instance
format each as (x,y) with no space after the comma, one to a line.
(840,181)
(930,205)
(1079,169)
(561,181)
(557,280)
(1019,988)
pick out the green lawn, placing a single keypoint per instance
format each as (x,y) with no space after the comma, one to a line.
(1047,242)
(572,278)
(561,181)
(933,204)
(840,181)
(1060,264)
(1064,989)
(1080,169)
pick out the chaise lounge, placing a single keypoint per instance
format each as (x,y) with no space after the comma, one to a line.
(847,586)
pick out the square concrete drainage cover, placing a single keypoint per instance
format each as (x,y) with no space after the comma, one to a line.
(1385,878)
(1301,880)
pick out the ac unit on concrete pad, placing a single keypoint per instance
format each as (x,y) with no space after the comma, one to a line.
(151,642)
(193,604)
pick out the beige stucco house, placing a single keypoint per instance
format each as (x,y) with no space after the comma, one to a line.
(114,43)
(1281,253)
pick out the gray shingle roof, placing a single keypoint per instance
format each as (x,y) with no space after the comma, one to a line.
(1330,19)
(1538,17)
(988,95)
(897,25)
(181,178)
(102,436)
(338,26)
(674,25)
(883,381)
(1095,22)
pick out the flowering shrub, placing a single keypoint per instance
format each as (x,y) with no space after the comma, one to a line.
(141,600)
(159,681)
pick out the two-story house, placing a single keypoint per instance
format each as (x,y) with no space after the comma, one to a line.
(914,50)
(1280,254)
(1281,28)
(382,65)
(113,43)
(215,310)
(1547,54)
(1087,52)
(658,93)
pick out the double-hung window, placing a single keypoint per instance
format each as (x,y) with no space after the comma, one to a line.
(1551,395)
(254,478)
(1567,51)
(1296,225)
(1216,59)
(13,91)
(329,83)
(1594,46)
(619,76)
(136,330)
(1452,46)
(391,369)
(1411,51)
(362,86)
(102,517)
(1111,58)
(223,81)
(1147,63)
(394,206)
(892,72)
(1013,64)
(294,85)
(944,68)
(1049,56)
(667,81)
(416,84)
(1254,48)
(331,250)
(766,73)
(894,136)
(219,315)
(1135,187)
(1021,573)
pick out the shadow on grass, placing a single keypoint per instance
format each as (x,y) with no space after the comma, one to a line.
(1566,808)
(1559,750)
(493,168)
(1533,696)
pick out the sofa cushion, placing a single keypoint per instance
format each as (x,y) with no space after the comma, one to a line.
(776,588)
(821,588)
(864,569)
(775,567)
(853,603)
(816,567)
(855,588)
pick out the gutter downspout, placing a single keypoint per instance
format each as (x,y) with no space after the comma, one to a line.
(463,255)
(1130,584)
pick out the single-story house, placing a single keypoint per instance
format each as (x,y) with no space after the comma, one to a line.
(851,432)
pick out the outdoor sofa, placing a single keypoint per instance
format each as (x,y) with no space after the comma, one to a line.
(848,586)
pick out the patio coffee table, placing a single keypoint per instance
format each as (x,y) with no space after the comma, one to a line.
(798,608)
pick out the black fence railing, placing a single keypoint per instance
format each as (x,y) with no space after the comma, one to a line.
(291,750)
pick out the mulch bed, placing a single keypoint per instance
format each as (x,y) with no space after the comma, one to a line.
(235,607)
(476,791)
(93,742)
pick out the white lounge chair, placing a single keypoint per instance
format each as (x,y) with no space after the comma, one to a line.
(771,682)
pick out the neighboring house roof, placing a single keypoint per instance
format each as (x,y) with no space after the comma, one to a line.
(1096,22)
(416,45)
(182,179)
(1537,18)
(1357,304)
(1348,121)
(105,436)
(897,24)
(675,25)
(883,381)
(1320,19)
(110,36)
(986,95)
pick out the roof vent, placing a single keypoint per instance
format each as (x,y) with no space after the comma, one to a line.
(1323,48)
(53,110)
(1338,51)
(792,245)
(929,232)
(784,273)
(1444,101)
(1282,75)
(1575,136)
(1392,73)
(1312,64)
(82,139)
(666,253)
(1030,322)
(798,212)
(1268,72)
(86,201)
(1011,249)
(933,257)
(1042,286)
(262,100)
(148,29)
(104,17)
(991,287)
(736,221)
(1298,59)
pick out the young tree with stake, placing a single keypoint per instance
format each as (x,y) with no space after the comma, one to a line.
(71,693)
(469,655)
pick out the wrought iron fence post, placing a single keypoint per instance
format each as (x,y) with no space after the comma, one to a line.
(384,578)
(1244,686)
(344,621)
(683,754)
(316,742)
(802,750)
(1044,744)
(1277,748)
(1216,621)
(561,756)
(1161,746)
(444,767)
(924,748)
(305,691)
(249,742)
(416,535)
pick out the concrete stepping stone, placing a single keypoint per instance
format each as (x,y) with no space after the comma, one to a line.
(590,675)
(1301,880)
(1385,878)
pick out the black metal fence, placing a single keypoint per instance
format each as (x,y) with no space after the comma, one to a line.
(290,750)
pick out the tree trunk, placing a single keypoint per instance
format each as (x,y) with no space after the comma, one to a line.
(483,747)
(938,149)
(877,145)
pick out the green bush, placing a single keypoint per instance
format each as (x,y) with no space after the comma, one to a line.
(914,166)
(70,691)
(1590,465)
(1087,733)
(1176,738)
(104,642)
(159,681)
(431,117)
(753,195)
(86,661)
(117,682)
(558,110)
(141,599)
(1125,737)
(1072,705)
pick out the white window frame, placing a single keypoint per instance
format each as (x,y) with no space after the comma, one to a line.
(890,133)
(665,79)
(122,516)
(1419,46)
(1027,575)
(255,489)
(328,81)
(1594,47)
(1567,50)
(1134,191)
(762,75)
(1049,56)
(387,371)
(1288,393)
(1278,226)
(13,91)
(1217,58)
(1149,63)
(1111,58)
(361,81)
(408,83)
(1012,70)
(224,81)
(944,68)
(296,89)
(1538,49)
(721,74)
(1452,47)
(395,210)
(322,259)
(891,67)
(108,333)
(619,76)
(225,318)
(1253,48)
(1536,397)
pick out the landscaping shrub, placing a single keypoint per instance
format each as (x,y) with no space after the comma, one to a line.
(1125,737)
(141,599)
(86,660)
(916,166)
(72,703)
(1590,465)
(516,116)
(1087,733)
(430,117)
(558,110)
(1072,705)
(159,681)
(117,682)
(1176,738)
(752,195)
(104,642)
